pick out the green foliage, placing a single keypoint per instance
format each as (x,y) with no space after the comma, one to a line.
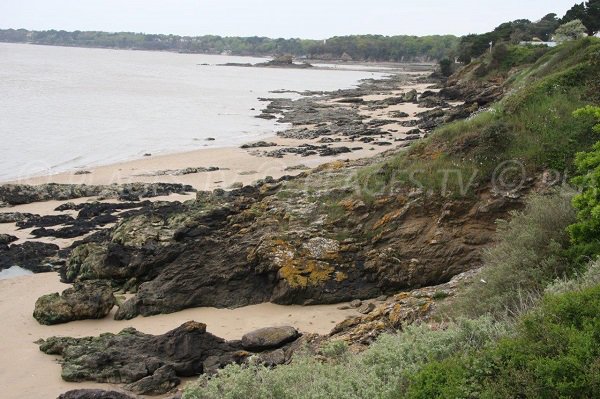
(555,353)
(587,12)
(360,47)
(585,234)
(446,67)
(529,255)
(590,277)
(382,371)
(571,30)
(473,46)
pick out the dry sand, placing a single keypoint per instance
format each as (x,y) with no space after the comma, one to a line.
(28,373)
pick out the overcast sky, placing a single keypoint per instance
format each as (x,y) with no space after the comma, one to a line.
(274,18)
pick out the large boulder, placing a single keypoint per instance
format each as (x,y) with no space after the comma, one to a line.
(269,338)
(86,300)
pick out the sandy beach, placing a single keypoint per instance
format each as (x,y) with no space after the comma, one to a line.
(27,372)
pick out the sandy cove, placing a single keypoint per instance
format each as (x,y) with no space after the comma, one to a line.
(28,373)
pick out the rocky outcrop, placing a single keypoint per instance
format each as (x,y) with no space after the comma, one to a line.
(86,300)
(17,194)
(148,364)
(229,249)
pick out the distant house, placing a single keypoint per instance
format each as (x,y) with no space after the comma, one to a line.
(539,43)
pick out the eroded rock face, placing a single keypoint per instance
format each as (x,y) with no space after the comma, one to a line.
(86,300)
(148,364)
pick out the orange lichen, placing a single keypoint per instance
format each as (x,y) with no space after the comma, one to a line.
(388,218)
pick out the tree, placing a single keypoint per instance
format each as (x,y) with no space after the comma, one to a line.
(592,20)
(446,67)
(572,30)
(588,13)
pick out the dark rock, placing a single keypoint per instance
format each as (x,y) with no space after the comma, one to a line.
(31,255)
(149,364)
(269,338)
(356,100)
(86,300)
(260,144)
(399,114)
(17,194)
(13,217)
(162,381)
(94,394)
(44,221)
(6,239)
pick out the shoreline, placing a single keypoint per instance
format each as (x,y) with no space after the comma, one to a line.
(296,150)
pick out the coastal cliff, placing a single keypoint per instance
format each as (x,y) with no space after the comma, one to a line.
(410,226)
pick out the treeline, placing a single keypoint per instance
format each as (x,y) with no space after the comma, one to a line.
(358,48)
(472,46)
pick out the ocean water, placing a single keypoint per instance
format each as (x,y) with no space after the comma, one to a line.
(69,108)
(13,272)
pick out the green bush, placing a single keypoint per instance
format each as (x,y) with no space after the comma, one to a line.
(555,353)
(528,255)
(382,371)
(585,234)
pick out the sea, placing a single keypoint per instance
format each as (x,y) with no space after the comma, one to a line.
(65,108)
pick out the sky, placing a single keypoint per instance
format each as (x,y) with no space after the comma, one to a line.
(310,19)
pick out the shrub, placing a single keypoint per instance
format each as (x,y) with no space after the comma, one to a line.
(585,234)
(555,353)
(382,371)
(528,255)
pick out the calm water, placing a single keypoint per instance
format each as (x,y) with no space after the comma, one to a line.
(68,108)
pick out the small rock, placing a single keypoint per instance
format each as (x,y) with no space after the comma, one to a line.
(357,303)
(366,308)
(162,381)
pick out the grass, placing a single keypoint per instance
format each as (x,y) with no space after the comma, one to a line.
(533,127)
(529,254)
